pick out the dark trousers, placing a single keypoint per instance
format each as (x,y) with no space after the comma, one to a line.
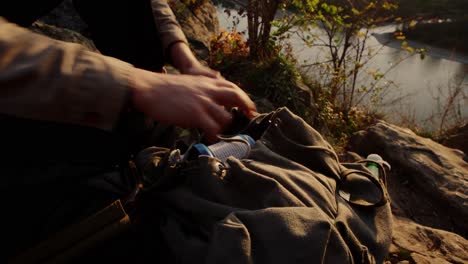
(124,29)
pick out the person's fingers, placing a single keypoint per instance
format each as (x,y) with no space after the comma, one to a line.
(249,108)
(214,74)
(204,71)
(189,101)
(234,98)
(226,83)
(228,94)
(252,114)
(218,113)
(210,127)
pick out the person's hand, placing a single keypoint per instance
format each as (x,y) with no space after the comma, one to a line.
(196,68)
(188,101)
(184,60)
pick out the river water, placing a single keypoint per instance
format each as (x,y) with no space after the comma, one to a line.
(422,86)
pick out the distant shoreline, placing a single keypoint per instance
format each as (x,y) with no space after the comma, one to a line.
(452,35)
(387,39)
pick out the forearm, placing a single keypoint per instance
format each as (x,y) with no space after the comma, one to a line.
(182,57)
(168,27)
(45,79)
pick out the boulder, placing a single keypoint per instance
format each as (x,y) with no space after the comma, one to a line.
(64,23)
(428,192)
(420,244)
(428,182)
(199,25)
(458,139)
(63,34)
(65,16)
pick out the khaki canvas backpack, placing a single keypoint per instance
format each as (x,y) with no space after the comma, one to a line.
(289,200)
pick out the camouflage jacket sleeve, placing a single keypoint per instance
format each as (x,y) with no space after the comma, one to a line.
(50,80)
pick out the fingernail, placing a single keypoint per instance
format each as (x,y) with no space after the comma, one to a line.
(253,113)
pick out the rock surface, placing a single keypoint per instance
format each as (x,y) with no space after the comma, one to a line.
(65,16)
(458,140)
(63,34)
(428,189)
(64,23)
(199,25)
(422,244)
